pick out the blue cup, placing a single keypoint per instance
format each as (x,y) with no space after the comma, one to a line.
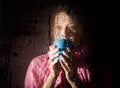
(61,44)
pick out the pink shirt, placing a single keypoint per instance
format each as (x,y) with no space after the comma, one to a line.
(38,70)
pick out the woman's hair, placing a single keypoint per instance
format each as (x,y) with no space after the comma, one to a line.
(76,12)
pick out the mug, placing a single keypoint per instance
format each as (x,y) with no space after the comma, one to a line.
(61,44)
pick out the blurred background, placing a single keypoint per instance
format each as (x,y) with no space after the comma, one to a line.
(24,34)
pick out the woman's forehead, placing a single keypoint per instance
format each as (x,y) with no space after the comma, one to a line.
(62,18)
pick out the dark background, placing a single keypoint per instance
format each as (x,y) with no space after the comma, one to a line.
(24,34)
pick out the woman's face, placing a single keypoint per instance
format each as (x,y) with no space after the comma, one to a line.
(65,27)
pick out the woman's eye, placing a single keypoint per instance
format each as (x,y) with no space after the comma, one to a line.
(57,27)
(68,29)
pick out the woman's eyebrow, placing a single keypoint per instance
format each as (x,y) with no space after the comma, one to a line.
(71,24)
(58,27)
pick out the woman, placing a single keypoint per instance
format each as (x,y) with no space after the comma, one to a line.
(72,70)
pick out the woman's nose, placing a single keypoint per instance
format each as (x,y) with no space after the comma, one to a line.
(63,34)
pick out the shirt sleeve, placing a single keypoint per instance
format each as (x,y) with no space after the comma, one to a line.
(33,78)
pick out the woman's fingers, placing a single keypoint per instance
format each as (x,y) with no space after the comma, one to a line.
(70,51)
(54,62)
(83,73)
(67,59)
(69,54)
(64,63)
(81,76)
(88,74)
(64,66)
(54,51)
(53,57)
(65,53)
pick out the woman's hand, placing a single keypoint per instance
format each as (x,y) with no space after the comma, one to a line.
(68,63)
(54,67)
